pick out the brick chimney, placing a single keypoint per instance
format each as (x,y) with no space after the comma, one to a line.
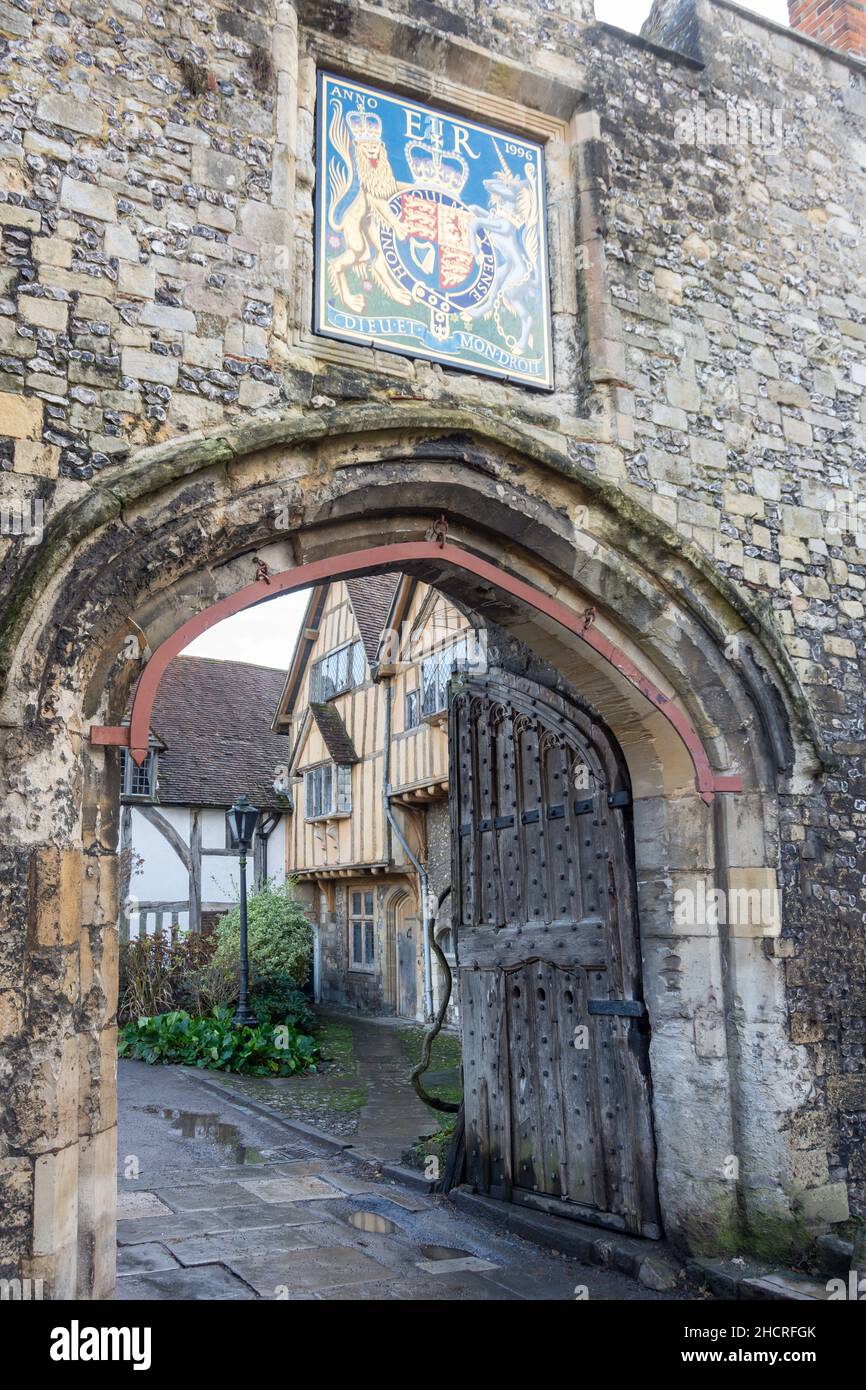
(837,23)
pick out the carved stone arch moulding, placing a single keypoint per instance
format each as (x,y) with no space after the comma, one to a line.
(708,600)
(135,735)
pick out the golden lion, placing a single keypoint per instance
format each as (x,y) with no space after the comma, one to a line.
(361,223)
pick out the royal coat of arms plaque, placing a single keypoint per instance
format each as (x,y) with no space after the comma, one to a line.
(431,237)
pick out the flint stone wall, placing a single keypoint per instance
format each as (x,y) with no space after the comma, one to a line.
(156,176)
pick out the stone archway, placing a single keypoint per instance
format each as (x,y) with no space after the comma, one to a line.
(176,530)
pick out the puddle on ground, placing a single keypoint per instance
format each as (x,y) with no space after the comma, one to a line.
(372,1221)
(443,1252)
(211,1129)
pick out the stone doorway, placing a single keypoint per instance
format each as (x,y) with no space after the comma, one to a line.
(554,566)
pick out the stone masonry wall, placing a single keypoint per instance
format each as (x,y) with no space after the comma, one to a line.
(737,267)
(155,191)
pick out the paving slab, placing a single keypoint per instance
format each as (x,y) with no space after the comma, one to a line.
(407,1200)
(144,1258)
(466,1264)
(178,1285)
(309,1168)
(225,1246)
(137,1204)
(350,1185)
(309,1270)
(241,1218)
(209,1196)
(452,1288)
(300,1189)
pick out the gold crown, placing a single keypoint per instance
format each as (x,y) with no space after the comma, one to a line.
(430,167)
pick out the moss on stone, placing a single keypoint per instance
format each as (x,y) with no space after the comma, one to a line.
(148,470)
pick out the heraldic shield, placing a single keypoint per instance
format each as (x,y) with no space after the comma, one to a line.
(431,235)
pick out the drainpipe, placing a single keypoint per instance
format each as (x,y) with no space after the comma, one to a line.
(267,826)
(426,924)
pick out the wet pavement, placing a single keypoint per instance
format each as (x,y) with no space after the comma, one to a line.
(217,1201)
(366,1097)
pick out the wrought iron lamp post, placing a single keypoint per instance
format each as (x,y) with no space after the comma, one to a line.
(242,823)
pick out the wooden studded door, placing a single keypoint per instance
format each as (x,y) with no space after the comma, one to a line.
(555,1037)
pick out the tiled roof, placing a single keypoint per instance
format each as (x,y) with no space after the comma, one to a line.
(214,718)
(370,596)
(334,733)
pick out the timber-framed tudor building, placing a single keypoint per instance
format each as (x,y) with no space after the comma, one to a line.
(210,740)
(365,708)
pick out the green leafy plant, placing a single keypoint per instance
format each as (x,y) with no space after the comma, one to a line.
(277,999)
(280,937)
(200,991)
(215,1044)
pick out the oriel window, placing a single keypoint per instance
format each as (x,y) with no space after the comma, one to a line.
(437,668)
(337,672)
(328,790)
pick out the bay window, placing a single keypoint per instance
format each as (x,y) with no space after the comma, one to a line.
(337,672)
(328,791)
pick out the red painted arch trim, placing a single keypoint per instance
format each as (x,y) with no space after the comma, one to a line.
(392,557)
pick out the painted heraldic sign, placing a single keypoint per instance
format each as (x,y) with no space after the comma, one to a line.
(431,235)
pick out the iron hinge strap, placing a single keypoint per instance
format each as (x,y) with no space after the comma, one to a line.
(583,807)
(498,823)
(627,1008)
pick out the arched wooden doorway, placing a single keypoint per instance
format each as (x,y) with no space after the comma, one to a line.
(555,1032)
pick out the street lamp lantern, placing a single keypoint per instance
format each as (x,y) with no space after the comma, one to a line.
(242,819)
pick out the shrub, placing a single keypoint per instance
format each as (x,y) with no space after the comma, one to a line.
(146,985)
(214,1043)
(202,990)
(280,937)
(277,999)
(158,974)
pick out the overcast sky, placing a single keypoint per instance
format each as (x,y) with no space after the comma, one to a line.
(266,635)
